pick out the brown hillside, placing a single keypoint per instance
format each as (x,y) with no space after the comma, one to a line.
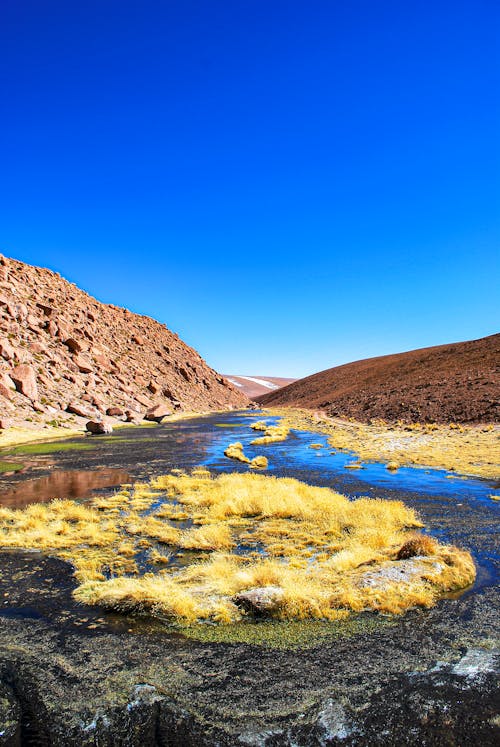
(64,356)
(448,383)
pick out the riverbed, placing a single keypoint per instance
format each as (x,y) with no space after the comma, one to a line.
(284,686)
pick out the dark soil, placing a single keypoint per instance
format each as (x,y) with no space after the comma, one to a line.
(448,383)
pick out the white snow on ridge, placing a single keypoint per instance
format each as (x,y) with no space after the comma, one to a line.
(236,383)
(262,382)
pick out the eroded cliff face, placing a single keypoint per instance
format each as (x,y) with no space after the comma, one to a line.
(65,356)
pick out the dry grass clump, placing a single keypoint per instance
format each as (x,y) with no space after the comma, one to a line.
(235,451)
(467,450)
(392,466)
(418,545)
(325,555)
(259,462)
(272,434)
(259,425)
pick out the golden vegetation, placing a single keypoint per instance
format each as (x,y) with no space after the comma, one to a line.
(235,451)
(272,433)
(259,462)
(326,555)
(259,425)
(467,450)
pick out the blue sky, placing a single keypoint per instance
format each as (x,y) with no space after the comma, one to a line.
(287,185)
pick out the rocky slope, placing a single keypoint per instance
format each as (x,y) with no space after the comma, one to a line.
(254,386)
(66,357)
(447,383)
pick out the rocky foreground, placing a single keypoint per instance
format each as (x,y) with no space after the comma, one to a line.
(447,383)
(66,358)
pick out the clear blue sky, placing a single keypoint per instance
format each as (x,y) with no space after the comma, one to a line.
(287,185)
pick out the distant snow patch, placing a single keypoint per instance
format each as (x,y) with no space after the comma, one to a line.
(233,381)
(262,382)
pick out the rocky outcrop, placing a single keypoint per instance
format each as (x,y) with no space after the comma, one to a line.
(66,358)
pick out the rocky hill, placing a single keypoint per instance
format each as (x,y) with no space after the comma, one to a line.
(65,356)
(449,383)
(254,386)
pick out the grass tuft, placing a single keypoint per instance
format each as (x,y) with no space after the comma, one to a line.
(324,555)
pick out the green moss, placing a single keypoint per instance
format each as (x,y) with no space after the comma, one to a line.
(10,466)
(51,447)
(227,425)
(285,635)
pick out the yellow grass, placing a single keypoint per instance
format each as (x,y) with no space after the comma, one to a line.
(466,450)
(327,555)
(259,462)
(235,451)
(17,435)
(259,425)
(272,434)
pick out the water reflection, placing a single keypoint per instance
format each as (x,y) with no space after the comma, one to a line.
(62,484)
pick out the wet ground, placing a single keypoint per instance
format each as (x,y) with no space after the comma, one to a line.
(75,675)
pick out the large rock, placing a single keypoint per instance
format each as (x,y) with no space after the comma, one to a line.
(261,600)
(73,345)
(6,350)
(5,391)
(78,409)
(25,380)
(114,412)
(98,427)
(83,363)
(7,382)
(157,413)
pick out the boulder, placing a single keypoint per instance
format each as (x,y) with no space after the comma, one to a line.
(77,409)
(114,412)
(25,380)
(52,328)
(74,346)
(157,413)
(6,350)
(33,322)
(47,310)
(143,400)
(4,423)
(261,600)
(98,427)
(83,364)
(5,391)
(7,382)
(131,416)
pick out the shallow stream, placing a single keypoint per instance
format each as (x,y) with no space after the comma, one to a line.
(455,509)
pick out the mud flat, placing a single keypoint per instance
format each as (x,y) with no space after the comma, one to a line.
(75,675)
